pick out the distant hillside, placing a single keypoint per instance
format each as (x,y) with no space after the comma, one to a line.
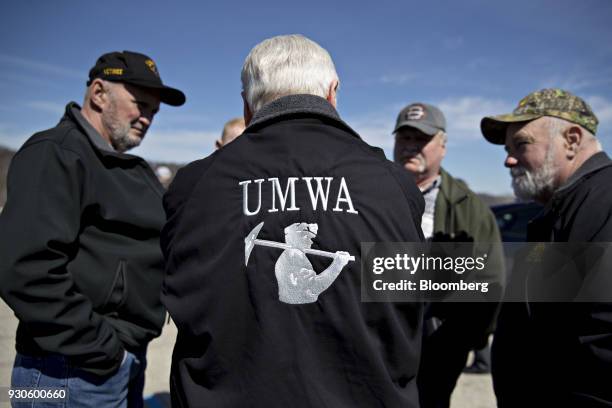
(491,200)
(5,159)
(7,154)
(166,172)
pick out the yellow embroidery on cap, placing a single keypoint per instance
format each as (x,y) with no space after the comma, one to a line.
(113,71)
(151,66)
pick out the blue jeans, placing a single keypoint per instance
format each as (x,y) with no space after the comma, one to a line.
(120,390)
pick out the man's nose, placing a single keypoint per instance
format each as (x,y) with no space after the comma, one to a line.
(146,119)
(510,161)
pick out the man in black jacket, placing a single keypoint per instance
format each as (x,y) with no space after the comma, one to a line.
(546,353)
(79,251)
(262,247)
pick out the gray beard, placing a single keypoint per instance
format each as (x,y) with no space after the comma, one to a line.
(119,133)
(123,142)
(529,185)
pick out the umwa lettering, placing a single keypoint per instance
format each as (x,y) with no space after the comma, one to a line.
(283,195)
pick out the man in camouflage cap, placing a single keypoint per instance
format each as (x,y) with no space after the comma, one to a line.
(546,102)
(537,166)
(556,354)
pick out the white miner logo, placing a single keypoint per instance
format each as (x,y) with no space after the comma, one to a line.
(297,281)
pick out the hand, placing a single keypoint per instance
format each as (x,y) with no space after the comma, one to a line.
(342,258)
(306,274)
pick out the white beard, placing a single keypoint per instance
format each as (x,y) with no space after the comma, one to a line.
(529,185)
(120,136)
(421,166)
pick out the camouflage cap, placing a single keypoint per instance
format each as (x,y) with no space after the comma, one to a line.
(545,102)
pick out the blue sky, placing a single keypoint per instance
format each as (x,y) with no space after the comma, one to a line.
(471,58)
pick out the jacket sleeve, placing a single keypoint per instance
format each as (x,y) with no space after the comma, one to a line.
(40,232)
(495,272)
(591,321)
(496,269)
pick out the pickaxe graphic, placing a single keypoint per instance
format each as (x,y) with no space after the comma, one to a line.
(251,240)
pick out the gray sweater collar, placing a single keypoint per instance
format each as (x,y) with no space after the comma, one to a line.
(296,104)
(73,111)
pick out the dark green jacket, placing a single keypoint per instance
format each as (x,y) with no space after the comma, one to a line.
(458,210)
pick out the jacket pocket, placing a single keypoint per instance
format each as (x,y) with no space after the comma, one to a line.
(117,295)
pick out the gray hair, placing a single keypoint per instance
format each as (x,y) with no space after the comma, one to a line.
(442,135)
(108,85)
(557,126)
(286,65)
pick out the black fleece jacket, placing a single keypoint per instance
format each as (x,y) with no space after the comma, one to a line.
(80,263)
(255,329)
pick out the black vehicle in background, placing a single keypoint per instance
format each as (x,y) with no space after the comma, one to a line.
(513,218)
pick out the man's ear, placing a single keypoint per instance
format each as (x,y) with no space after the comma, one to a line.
(332,92)
(572,139)
(248,114)
(98,94)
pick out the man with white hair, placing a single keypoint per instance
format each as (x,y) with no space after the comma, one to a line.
(557,354)
(274,333)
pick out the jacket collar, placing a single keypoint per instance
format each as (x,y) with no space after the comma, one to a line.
(453,192)
(296,105)
(73,113)
(592,164)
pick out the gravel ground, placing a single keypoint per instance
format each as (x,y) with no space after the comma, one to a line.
(473,391)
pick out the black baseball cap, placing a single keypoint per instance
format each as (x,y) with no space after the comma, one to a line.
(136,69)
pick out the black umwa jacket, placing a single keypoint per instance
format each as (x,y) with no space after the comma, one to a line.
(80,262)
(560,354)
(262,326)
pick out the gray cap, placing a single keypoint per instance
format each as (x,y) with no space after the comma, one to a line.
(427,118)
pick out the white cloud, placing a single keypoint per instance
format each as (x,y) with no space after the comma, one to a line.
(398,79)
(602,108)
(453,43)
(181,146)
(40,67)
(171,118)
(463,115)
(12,138)
(48,107)
(376,127)
(587,79)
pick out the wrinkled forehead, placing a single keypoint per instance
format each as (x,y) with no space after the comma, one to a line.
(535,128)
